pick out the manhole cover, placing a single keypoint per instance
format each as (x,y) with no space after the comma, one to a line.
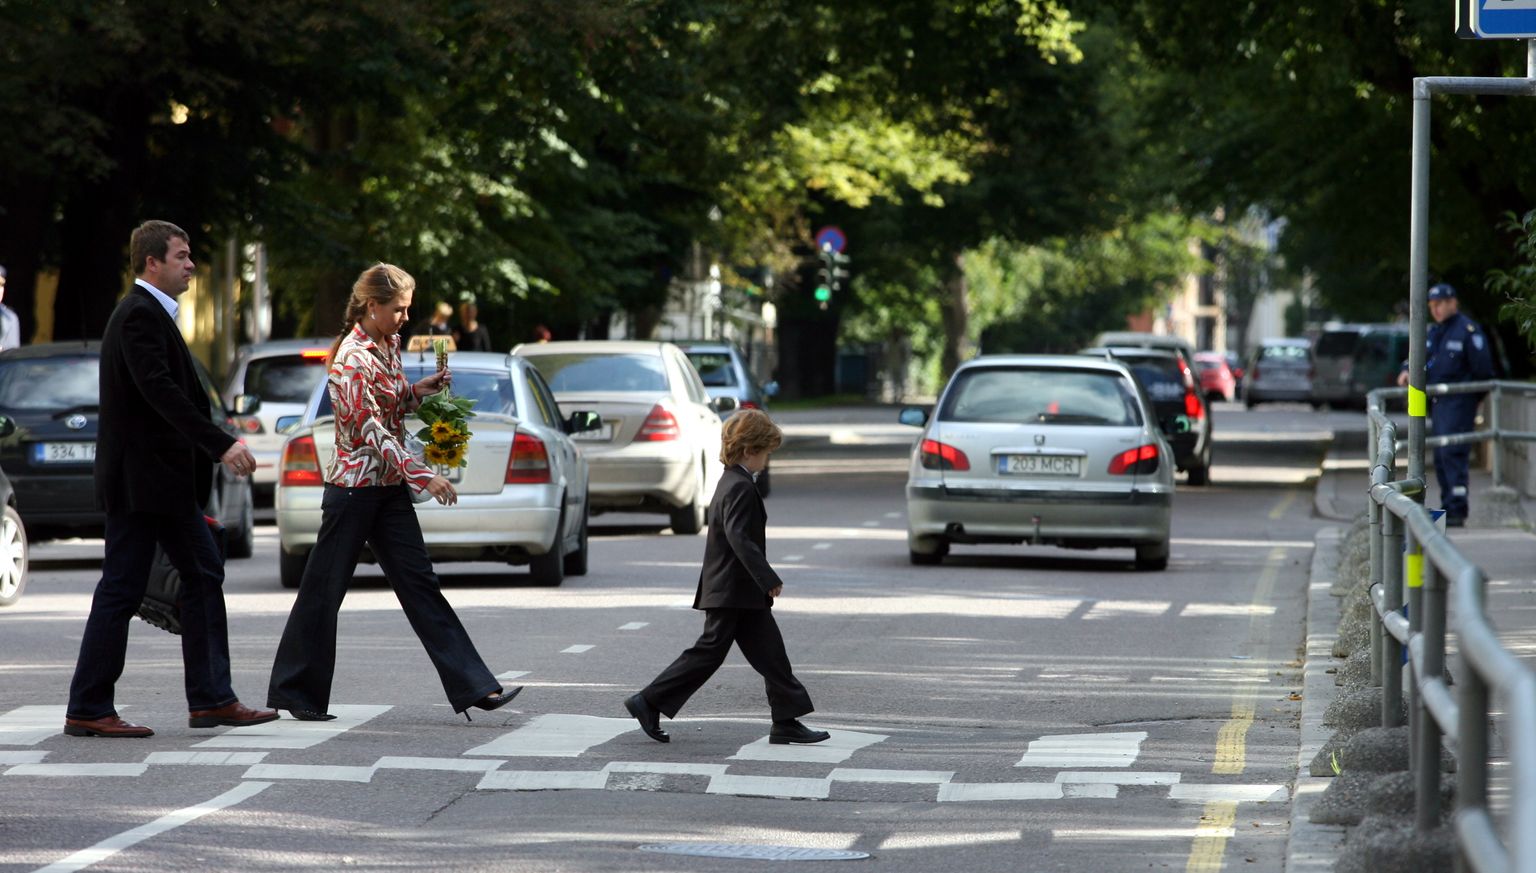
(755,853)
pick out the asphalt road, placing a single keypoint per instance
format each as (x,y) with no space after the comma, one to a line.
(1015,708)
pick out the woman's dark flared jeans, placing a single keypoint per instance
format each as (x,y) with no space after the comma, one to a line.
(384,518)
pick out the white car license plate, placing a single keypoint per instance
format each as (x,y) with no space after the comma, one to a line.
(63,453)
(604,432)
(1040,465)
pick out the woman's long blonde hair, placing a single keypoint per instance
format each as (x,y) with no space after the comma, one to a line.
(379,284)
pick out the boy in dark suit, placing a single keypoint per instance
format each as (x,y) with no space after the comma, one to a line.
(736,592)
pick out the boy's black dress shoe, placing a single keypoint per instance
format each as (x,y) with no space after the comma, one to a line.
(310,715)
(650,719)
(792,731)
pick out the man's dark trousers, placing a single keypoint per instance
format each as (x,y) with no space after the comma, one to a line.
(1453,414)
(130,550)
(384,518)
(755,631)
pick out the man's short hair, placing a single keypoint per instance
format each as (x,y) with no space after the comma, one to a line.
(748,431)
(151,240)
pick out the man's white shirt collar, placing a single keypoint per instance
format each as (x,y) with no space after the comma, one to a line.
(160,296)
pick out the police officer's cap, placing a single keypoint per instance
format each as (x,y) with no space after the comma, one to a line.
(1442,291)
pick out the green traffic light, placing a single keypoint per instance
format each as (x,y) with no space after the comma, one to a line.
(823,293)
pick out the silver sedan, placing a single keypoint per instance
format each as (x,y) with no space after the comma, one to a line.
(1046,450)
(522,495)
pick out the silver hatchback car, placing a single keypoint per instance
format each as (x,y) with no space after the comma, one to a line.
(1046,450)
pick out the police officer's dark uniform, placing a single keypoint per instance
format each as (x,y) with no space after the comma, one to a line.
(1457,352)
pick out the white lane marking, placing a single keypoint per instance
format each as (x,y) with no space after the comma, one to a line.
(29,725)
(893,515)
(543,780)
(665,767)
(961,792)
(112,845)
(916,777)
(556,736)
(288,733)
(1230,793)
(77,770)
(1064,751)
(822,546)
(833,751)
(1246,544)
(512,674)
(1118,834)
(206,758)
(949,838)
(1079,778)
(770,786)
(576,650)
(871,524)
(1089,789)
(7,758)
(456,765)
(633,625)
(333,773)
(788,558)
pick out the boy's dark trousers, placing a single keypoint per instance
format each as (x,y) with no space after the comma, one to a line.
(755,631)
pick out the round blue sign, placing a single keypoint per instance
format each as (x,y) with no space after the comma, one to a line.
(831,237)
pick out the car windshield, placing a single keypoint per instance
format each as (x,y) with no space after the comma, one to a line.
(1018,395)
(714,368)
(491,390)
(49,383)
(601,372)
(285,378)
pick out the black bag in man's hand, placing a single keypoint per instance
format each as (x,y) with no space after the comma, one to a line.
(164,590)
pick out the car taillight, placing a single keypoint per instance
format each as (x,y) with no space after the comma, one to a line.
(747,404)
(658,426)
(301,463)
(1135,461)
(942,456)
(247,424)
(1192,405)
(529,464)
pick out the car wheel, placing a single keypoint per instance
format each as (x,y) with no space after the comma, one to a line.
(689,520)
(576,562)
(548,569)
(241,542)
(13,557)
(290,568)
(1152,556)
(1201,475)
(927,551)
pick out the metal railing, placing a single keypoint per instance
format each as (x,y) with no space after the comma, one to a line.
(1402,536)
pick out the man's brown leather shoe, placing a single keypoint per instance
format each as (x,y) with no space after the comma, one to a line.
(106,726)
(235,714)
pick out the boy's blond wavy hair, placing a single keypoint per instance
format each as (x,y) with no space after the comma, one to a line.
(748,431)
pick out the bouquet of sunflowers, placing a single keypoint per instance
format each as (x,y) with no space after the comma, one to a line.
(446,434)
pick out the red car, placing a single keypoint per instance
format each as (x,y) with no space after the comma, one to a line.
(1217,381)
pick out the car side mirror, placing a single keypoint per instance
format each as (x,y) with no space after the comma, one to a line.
(723,404)
(247,404)
(288,423)
(582,421)
(913,416)
(771,389)
(7,426)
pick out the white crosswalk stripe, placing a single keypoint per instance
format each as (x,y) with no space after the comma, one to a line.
(287,733)
(30,725)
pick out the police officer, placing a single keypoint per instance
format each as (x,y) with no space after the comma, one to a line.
(1457,352)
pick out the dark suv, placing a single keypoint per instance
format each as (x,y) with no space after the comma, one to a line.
(1170,383)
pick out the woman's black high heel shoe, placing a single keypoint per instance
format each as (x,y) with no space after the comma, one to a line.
(494,701)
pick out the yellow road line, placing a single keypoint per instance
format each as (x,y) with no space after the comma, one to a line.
(1211,837)
(1285,504)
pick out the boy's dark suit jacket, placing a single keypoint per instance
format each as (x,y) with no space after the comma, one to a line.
(736,572)
(156,436)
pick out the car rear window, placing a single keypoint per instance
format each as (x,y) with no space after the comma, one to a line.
(491,390)
(284,379)
(1020,395)
(1337,343)
(1207,365)
(50,383)
(601,372)
(1161,378)
(714,368)
(1294,354)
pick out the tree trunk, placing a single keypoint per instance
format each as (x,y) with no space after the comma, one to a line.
(955,309)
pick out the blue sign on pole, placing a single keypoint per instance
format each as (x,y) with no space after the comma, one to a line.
(1496,19)
(831,237)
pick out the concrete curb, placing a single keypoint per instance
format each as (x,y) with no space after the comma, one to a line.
(1314,848)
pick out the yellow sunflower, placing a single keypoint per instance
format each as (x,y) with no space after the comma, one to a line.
(435,455)
(454,457)
(442,431)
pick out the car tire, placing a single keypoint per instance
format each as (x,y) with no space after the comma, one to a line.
(1152,556)
(927,551)
(689,520)
(1200,476)
(242,540)
(13,557)
(548,569)
(576,561)
(290,568)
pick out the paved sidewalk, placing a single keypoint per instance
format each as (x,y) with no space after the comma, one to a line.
(1506,555)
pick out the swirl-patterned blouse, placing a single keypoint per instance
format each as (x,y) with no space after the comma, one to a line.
(371,397)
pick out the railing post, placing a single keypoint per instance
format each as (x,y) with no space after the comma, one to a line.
(1472,725)
(1496,400)
(1373,517)
(1391,663)
(1427,749)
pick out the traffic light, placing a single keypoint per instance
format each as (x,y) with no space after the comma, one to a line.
(830,276)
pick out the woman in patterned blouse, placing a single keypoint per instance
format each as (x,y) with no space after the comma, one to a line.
(368,499)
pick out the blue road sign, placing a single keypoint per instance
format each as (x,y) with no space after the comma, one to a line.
(1496,19)
(831,237)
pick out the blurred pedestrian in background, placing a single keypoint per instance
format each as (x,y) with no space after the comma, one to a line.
(10,322)
(471,335)
(439,325)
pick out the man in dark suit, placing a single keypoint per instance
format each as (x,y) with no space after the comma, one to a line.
(154,440)
(736,591)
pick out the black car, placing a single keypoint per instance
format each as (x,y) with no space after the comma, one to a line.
(1169,381)
(13,535)
(50,391)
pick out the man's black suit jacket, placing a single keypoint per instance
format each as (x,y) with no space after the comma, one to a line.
(736,573)
(155,436)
